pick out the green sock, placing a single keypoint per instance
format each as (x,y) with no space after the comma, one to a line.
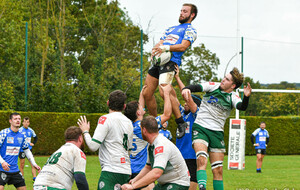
(201,177)
(218,185)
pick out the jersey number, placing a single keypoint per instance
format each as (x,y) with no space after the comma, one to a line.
(54,158)
(125,141)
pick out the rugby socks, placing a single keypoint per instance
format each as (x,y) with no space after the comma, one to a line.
(218,185)
(201,178)
(179,120)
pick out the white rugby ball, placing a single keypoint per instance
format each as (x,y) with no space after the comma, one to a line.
(162,59)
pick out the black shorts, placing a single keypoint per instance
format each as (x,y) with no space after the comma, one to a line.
(192,166)
(155,71)
(22,155)
(261,151)
(14,178)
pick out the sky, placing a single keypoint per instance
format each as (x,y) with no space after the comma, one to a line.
(270,28)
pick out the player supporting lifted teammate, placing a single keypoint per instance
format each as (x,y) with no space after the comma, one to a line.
(208,128)
(184,144)
(135,111)
(11,141)
(176,39)
(261,136)
(164,163)
(113,137)
(65,165)
(29,132)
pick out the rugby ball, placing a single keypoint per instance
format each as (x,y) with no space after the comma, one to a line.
(162,59)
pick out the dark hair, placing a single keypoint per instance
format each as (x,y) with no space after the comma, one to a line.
(131,109)
(72,133)
(262,122)
(193,9)
(117,100)
(197,99)
(150,124)
(237,77)
(11,115)
(26,118)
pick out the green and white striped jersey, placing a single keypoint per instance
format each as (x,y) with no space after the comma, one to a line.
(216,106)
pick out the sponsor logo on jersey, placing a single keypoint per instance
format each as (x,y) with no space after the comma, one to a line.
(159,149)
(211,83)
(12,150)
(82,155)
(20,140)
(123,161)
(238,96)
(171,39)
(212,99)
(102,120)
(10,140)
(180,29)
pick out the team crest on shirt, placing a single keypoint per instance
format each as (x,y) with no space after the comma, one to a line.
(20,140)
(180,30)
(102,120)
(101,185)
(28,133)
(10,140)
(159,149)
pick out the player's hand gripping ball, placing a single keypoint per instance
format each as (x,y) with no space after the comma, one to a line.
(162,59)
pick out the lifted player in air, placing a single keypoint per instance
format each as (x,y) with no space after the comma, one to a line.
(176,39)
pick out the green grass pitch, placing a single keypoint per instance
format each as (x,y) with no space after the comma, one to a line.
(278,172)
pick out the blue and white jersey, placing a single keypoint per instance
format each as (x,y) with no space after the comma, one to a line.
(166,133)
(29,132)
(184,144)
(138,156)
(10,145)
(175,35)
(261,138)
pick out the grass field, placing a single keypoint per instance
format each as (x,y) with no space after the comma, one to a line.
(278,172)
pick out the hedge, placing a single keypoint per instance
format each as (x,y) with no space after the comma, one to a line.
(49,127)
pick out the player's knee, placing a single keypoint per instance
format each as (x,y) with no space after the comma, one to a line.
(201,158)
(217,169)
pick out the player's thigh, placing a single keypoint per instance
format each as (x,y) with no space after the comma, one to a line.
(200,139)
(108,180)
(151,85)
(17,180)
(216,142)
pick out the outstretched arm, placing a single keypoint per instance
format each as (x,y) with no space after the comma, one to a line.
(85,128)
(31,159)
(179,82)
(244,104)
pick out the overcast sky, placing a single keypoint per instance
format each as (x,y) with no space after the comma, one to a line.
(271,31)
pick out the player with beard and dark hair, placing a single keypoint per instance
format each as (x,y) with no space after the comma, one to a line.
(65,165)
(175,39)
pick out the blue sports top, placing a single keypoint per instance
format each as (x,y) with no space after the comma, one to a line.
(138,156)
(29,132)
(261,138)
(184,144)
(10,145)
(175,35)
(166,133)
